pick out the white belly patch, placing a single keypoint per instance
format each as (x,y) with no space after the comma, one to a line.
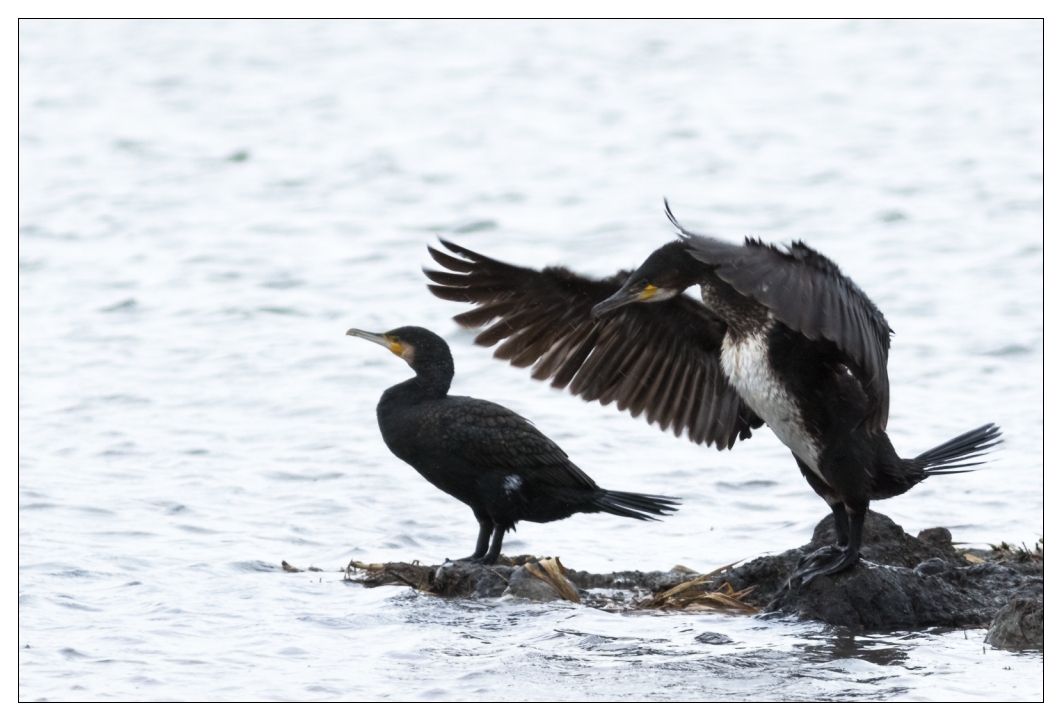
(746,367)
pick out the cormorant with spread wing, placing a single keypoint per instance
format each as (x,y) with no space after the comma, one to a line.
(483,454)
(782,337)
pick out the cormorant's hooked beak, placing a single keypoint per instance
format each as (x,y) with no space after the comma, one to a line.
(379,339)
(623,296)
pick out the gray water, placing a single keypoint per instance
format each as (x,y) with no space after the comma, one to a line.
(207,207)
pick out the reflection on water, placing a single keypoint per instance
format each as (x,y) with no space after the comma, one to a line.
(843,644)
(206,207)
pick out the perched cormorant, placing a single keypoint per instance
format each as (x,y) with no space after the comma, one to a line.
(484,455)
(782,337)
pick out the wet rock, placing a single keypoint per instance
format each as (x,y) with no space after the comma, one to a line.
(1018,626)
(940,537)
(873,597)
(885,543)
(471,580)
(902,582)
(931,567)
(654,581)
(766,574)
(491,585)
(710,637)
(522,584)
(384,574)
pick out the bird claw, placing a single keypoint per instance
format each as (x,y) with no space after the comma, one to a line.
(826,561)
(819,557)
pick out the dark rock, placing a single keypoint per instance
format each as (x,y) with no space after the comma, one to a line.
(523,584)
(654,581)
(878,598)
(492,585)
(936,537)
(471,580)
(884,542)
(383,574)
(931,567)
(767,574)
(716,639)
(902,583)
(1018,626)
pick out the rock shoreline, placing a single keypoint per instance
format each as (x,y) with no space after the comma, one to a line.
(903,583)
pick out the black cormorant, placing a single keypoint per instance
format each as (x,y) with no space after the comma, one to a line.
(782,337)
(484,455)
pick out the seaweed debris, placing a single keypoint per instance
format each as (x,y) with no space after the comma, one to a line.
(903,582)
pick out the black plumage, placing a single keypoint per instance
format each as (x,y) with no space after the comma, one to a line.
(661,359)
(782,337)
(493,460)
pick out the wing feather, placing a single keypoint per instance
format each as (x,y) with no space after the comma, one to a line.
(693,406)
(660,359)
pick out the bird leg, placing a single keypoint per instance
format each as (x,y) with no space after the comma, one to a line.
(822,557)
(832,559)
(485,527)
(491,556)
(495,546)
(840,514)
(840,523)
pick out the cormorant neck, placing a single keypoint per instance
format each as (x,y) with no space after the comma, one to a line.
(434,375)
(743,315)
(698,273)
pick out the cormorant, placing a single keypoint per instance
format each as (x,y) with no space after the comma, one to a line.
(484,455)
(782,337)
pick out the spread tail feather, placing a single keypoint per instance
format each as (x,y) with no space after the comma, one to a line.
(948,457)
(633,505)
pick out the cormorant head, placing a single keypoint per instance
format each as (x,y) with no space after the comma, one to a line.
(664,274)
(422,349)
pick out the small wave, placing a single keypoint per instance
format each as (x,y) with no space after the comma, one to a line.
(127,305)
(199,530)
(255,566)
(746,485)
(1008,350)
(475,226)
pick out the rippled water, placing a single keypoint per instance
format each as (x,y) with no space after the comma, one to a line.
(206,207)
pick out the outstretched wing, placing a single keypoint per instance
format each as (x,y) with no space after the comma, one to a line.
(658,358)
(806,291)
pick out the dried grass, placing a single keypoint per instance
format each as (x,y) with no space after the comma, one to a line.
(552,572)
(413,574)
(699,594)
(1022,554)
(695,596)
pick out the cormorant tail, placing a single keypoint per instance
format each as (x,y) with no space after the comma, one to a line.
(948,456)
(633,505)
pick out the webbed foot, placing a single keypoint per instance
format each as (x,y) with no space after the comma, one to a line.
(825,561)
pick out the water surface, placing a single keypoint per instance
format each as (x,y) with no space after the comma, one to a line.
(206,207)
